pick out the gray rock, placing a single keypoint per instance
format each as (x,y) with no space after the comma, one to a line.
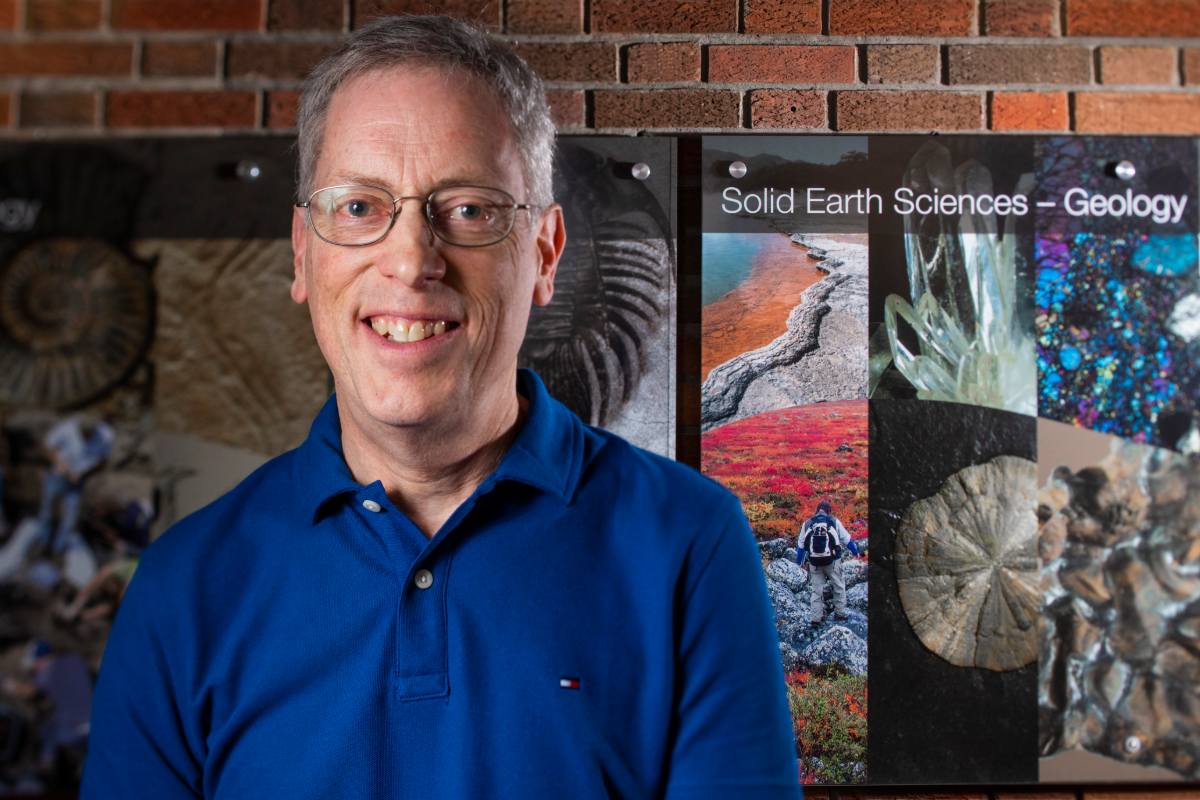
(837,645)
(854,570)
(787,607)
(774,548)
(789,657)
(856,597)
(789,573)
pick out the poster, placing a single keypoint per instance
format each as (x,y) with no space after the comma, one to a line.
(1025,356)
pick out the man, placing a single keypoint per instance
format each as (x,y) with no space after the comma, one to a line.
(822,539)
(453,588)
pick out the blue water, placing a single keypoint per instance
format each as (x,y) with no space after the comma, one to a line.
(726,261)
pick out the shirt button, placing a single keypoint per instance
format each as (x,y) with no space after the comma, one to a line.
(371,505)
(423,579)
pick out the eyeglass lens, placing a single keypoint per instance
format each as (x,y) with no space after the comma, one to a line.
(469,216)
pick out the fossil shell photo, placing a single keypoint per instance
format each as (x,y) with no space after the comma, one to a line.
(967,566)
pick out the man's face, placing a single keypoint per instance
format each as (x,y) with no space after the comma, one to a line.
(411,131)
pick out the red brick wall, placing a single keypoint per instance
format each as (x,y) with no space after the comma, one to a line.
(618,66)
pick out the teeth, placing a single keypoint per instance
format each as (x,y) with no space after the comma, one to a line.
(399,331)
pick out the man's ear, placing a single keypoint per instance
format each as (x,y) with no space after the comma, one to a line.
(552,237)
(299,247)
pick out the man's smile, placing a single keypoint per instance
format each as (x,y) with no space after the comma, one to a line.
(400,329)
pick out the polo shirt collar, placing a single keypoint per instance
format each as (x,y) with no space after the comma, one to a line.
(547,453)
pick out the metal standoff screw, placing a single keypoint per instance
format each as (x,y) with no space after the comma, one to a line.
(737,169)
(248,170)
(1133,743)
(641,170)
(1125,170)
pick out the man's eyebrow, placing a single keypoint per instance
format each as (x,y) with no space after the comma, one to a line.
(363,179)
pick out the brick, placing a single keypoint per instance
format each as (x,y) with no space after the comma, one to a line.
(306,15)
(909,111)
(1139,65)
(1021,17)
(179,59)
(65,58)
(485,12)
(1191,66)
(901,18)
(669,62)
(8,21)
(274,59)
(1126,112)
(1019,63)
(567,108)
(571,62)
(788,108)
(62,15)
(783,16)
(182,109)
(902,63)
(281,105)
(665,16)
(187,15)
(1173,18)
(545,16)
(781,64)
(667,108)
(58,110)
(1030,111)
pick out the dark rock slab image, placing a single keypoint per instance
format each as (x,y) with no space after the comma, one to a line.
(1120,643)
(931,720)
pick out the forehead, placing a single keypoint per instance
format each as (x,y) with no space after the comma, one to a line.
(414,128)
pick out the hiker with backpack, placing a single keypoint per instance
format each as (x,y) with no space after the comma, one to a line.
(822,539)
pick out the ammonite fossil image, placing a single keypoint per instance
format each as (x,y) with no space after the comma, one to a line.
(1120,643)
(75,317)
(966,566)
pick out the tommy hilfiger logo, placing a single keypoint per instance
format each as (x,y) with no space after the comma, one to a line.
(568,683)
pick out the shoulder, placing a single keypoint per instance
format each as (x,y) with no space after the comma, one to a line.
(221,529)
(643,477)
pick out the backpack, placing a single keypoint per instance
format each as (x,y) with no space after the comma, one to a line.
(823,548)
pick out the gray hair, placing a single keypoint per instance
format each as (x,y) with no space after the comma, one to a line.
(435,42)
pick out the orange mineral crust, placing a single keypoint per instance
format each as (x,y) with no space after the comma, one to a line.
(756,312)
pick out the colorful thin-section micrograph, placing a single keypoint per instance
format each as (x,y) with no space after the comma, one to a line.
(1118,324)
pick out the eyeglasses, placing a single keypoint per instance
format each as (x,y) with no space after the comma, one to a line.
(464,216)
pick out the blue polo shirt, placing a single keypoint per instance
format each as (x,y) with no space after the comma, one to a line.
(592,622)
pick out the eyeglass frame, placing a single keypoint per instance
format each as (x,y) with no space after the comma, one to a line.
(397,207)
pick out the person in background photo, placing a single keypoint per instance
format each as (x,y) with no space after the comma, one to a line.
(453,588)
(822,542)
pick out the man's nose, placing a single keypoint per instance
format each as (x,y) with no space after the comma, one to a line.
(410,251)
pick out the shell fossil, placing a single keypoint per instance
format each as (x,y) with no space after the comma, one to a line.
(967,566)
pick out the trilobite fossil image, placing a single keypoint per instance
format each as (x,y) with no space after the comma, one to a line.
(610,325)
(1119,664)
(967,568)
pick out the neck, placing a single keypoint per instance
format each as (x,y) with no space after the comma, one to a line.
(429,470)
